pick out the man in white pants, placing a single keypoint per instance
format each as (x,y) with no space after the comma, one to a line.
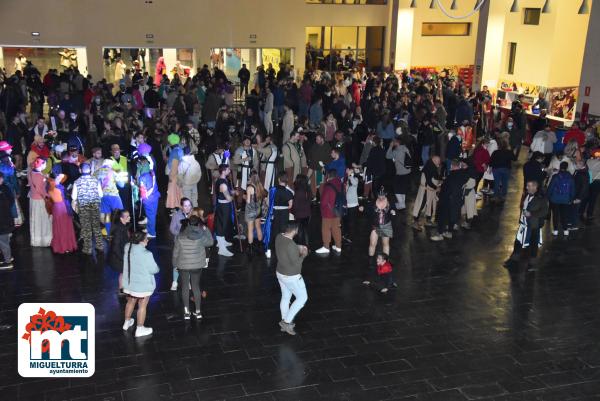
(289,268)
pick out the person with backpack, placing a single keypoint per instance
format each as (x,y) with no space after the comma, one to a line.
(561,193)
(531,220)
(332,209)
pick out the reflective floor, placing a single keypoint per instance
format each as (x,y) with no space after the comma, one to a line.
(458,327)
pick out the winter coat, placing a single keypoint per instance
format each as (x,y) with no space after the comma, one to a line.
(189,170)
(189,252)
(561,189)
(119,237)
(139,275)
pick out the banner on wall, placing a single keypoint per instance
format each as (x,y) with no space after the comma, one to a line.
(563,102)
(272,56)
(520,87)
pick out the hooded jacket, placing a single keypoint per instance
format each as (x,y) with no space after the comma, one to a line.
(189,252)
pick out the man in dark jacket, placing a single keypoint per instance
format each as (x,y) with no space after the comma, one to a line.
(533,170)
(8,213)
(244,77)
(582,191)
(450,201)
(533,214)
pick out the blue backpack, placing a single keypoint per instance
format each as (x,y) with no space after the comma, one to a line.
(562,188)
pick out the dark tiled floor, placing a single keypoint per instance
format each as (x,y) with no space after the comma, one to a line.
(459,326)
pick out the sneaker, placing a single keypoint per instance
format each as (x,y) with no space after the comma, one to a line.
(555,233)
(336,249)
(225,252)
(429,223)
(447,234)
(186,315)
(366,282)
(240,236)
(289,328)
(466,225)
(282,325)
(142,331)
(151,236)
(384,290)
(572,228)
(6,265)
(197,314)
(566,233)
(437,237)
(268,254)
(142,222)
(174,286)
(322,251)
(128,324)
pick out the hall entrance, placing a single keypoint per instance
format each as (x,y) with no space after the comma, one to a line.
(14,58)
(230,60)
(170,61)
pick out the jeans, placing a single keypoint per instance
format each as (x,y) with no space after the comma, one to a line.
(191,192)
(190,277)
(5,246)
(425,153)
(501,176)
(291,285)
(561,215)
(151,207)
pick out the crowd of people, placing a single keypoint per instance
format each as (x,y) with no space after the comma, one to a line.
(98,162)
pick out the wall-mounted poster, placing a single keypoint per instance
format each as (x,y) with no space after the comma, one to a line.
(520,87)
(563,102)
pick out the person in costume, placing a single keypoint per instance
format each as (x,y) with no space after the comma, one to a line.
(281,199)
(531,220)
(175,156)
(224,210)
(268,155)
(85,200)
(40,222)
(110,200)
(121,169)
(146,179)
(246,159)
(63,234)
(380,216)
(213,162)
(294,159)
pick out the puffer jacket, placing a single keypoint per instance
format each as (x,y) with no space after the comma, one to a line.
(189,170)
(189,252)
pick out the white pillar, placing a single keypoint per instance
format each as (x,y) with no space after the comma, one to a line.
(590,79)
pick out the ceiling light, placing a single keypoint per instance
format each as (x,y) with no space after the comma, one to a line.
(453,6)
(546,8)
(413,4)
(585,8)
(35,34)
(515,6)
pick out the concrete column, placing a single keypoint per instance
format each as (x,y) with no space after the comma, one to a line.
(482,26)
(93,54)
(404,38)
(590,78)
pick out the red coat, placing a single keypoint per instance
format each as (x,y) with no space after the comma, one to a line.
(480,157)
(328,197)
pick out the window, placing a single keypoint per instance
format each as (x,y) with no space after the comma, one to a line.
(446,29)
(343,47)
(531,16)
(512,54)
(351,2)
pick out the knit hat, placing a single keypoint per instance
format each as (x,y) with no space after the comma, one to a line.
(173,139)
(144,149)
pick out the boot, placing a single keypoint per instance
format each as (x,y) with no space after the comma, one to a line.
(223,247)
(250,250)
